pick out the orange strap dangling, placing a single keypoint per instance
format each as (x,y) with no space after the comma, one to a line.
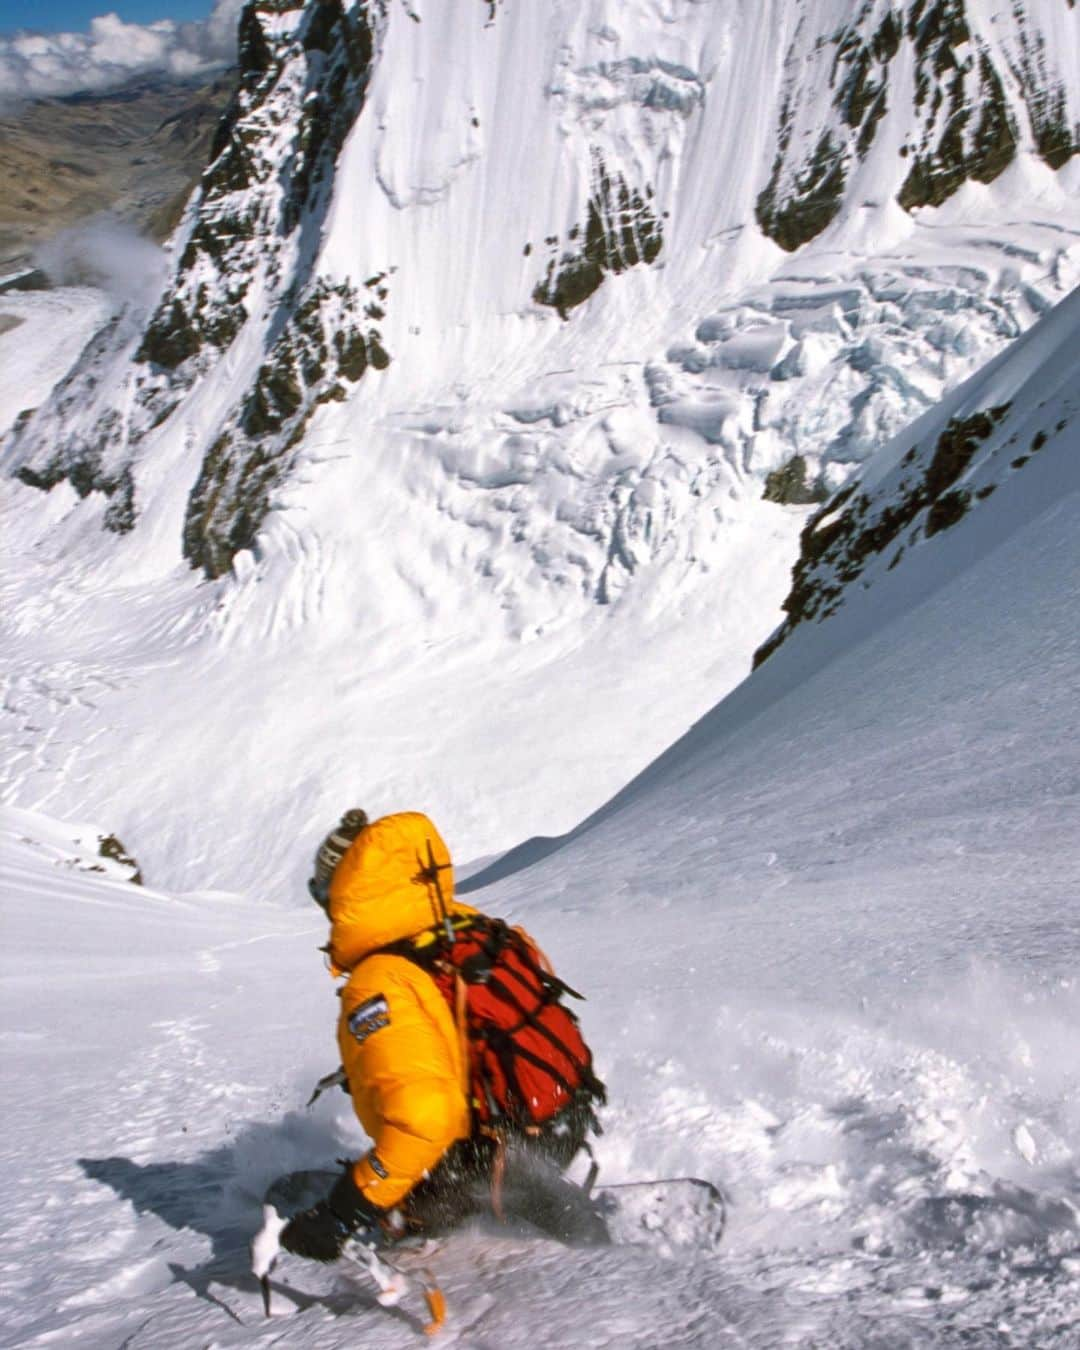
(498,1172)
(436,1302)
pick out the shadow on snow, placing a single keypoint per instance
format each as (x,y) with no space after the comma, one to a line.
(219,1195)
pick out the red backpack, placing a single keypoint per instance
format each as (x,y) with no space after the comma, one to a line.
(527,1058)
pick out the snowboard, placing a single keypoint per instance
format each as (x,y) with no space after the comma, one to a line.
(668,1213)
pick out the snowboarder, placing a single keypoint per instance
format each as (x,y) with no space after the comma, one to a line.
(456,1050)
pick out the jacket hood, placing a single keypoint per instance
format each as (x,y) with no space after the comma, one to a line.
(383,889)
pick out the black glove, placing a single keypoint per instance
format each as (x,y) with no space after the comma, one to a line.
(319,1233)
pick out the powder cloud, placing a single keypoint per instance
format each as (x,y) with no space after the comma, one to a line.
(37,65)
(105,252)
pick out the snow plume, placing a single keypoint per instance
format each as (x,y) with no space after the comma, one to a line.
(39,65)
(106,253)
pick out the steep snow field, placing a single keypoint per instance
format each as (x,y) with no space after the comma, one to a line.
(856,880)
(429,609)
(502,573)
(830,946)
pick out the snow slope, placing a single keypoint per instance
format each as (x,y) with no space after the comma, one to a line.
(850,890)
(474,570)
(830,946)
(41,336)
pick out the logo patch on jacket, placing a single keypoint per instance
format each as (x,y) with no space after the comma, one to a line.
(369,1017)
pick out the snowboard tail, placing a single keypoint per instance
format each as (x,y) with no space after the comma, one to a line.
(670,1213)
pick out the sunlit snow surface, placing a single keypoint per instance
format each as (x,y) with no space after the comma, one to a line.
(462,553)
(41,335)
(830,945)
(829,940)
(509,569)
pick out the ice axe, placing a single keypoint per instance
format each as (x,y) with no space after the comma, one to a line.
(392,1282)
(265,1249)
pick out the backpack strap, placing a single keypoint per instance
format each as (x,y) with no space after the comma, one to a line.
(504,1039)
(428,947)
(530,1019)
(461,1018)
(429,950)
(531,954)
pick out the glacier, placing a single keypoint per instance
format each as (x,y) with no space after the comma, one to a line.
(354,463)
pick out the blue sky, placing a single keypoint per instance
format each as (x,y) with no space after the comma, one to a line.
(74,16)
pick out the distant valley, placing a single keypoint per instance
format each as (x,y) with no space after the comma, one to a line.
(134,151)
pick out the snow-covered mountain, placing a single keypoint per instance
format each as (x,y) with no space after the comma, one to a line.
(903,561)
(502,349)
(830,949)
(305,264)
(461,463)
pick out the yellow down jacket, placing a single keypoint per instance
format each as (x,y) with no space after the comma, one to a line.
(400,1047)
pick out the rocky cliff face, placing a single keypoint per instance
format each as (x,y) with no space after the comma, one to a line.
(940,472)
(476,368)
(460,189)
(246,252)
(304,75)
(968,86)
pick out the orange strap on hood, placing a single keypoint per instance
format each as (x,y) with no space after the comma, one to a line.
(395,880)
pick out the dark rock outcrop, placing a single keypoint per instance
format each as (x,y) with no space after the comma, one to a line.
(805,192)
(621,230)
(852,527)
(789,486)
(325,341)
(963,122)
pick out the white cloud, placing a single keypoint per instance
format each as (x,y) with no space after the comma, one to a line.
(33,65)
